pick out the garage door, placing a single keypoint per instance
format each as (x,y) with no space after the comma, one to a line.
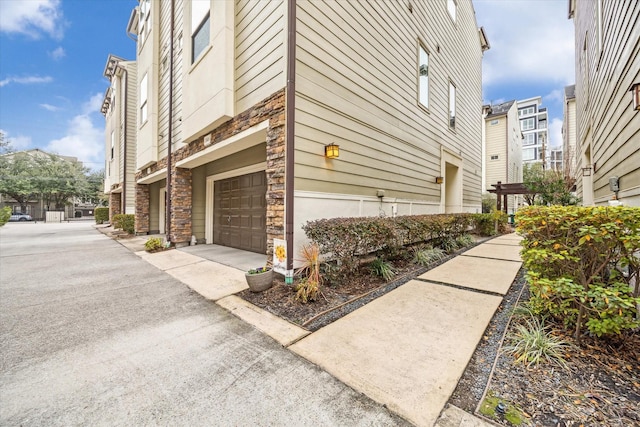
(240,212)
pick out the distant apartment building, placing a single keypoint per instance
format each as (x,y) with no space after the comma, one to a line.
(555,161)
(503,148)
(607,63)
(569,134)
(119,108)
(254,117)
(534,125)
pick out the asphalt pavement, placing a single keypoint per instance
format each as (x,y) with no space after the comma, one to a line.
(92,334)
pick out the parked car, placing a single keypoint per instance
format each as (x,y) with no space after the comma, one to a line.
(20,217)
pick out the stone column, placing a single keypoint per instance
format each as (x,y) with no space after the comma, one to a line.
(275,179)
(115,203)
(142,209)
(181,199)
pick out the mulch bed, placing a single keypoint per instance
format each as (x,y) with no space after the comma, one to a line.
(600,387)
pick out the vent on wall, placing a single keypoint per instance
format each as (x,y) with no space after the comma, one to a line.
(207,140)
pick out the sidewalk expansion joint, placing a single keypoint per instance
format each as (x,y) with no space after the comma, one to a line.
(488,257)
(463,288)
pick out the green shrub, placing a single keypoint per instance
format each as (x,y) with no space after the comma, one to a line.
(347,239)
(382,268)
(582,266)
(425,257)
(465,240)
(101,215)
(154,244)
(532,343)
(5,214)
(125,222)
(485,223)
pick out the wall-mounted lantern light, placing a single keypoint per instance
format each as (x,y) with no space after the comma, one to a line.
(332,151)
(586,171)
(439,179)
(635,93)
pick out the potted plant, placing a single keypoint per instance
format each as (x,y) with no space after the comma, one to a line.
(259,279)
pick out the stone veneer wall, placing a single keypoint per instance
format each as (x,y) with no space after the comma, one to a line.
(272,109)
(142,209)
(181,202)
(115,205)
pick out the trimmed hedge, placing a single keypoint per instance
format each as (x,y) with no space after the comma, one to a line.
(5,214)
(348,239)
(125,222)
(583,265)
(101,215)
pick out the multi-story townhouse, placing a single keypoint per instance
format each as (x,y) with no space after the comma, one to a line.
(556,162)
(533,123)
(607,63)
(569,135)
(503,148)
(119,109)
(279,112)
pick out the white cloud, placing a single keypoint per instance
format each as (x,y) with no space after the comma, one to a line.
(18,143)
(94,104)
(50,107)
(531,41)
(556,95)
(555,133)
(83,139)
(58,53)
(26,80)
(32,18)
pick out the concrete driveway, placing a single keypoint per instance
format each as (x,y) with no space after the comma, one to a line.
(91,334)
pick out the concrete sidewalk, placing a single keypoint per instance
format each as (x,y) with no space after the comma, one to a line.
(407,349)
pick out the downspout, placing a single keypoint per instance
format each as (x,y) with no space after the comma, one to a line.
(123,200)
(167,216)
(506,133)
(289,131)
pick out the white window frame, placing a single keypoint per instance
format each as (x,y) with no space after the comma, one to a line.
(530,157)
(452,106)
(144,90)
(113,143)
(145,21)
(451,8)
(200,26)
(423,76)
(528,124)
(529,139)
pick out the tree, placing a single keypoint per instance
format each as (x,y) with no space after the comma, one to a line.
(59,181)
(5,144)
(95,193)
(551,187)
(29,175)
(17,178)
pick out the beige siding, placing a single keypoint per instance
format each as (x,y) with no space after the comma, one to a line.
(496,146)
(259,50)
(163,70)
(603,78)
(131,126)
(356,86)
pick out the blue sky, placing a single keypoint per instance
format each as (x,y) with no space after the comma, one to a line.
(53,53)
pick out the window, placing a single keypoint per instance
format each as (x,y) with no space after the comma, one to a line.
(423,79)
(529,139)
(494,122)
(529,154)
(200,29)
(452,106)
(451,8)
(145,21)
(113,142)
(528,124)
(526,111)
(494,157)
(542,124)
(143,99)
